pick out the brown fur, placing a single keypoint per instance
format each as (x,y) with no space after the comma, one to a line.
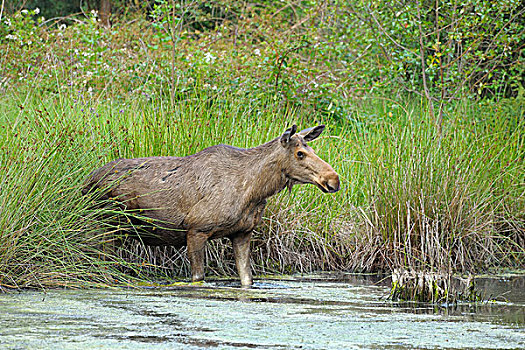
(218,192)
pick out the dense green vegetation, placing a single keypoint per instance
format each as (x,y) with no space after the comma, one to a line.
(432,165)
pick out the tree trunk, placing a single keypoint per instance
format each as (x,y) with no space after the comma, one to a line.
(105,13)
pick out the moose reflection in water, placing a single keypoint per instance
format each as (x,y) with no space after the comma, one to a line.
(218,192)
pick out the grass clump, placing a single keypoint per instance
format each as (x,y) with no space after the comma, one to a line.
(47,233)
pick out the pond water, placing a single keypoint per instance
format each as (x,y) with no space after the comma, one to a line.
(314,312)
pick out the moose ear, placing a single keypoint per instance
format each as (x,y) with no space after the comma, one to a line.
(288,134)
(312,133)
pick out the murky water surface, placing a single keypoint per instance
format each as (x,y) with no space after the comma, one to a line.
(299,313)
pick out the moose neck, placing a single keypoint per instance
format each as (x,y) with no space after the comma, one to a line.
(266,175)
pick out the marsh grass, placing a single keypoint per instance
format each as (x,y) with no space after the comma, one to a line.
(452,202)
(410,198)
(50,233)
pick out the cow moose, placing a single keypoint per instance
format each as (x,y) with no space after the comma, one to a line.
(218,192)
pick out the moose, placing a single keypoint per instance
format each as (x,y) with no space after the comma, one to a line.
(218,192)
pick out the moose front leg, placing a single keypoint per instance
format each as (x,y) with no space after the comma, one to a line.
(241,250)
(196,242)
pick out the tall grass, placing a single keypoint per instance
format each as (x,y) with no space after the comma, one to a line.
(48,231)
(451,202)
(410,197)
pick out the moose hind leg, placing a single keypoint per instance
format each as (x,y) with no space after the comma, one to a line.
(241,250)
(196,242)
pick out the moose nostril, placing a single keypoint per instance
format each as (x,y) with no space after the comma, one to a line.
(332,186)
(329,187)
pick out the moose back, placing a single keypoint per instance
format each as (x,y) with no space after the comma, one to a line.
(220,191)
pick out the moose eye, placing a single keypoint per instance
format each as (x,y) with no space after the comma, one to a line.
(300,155)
